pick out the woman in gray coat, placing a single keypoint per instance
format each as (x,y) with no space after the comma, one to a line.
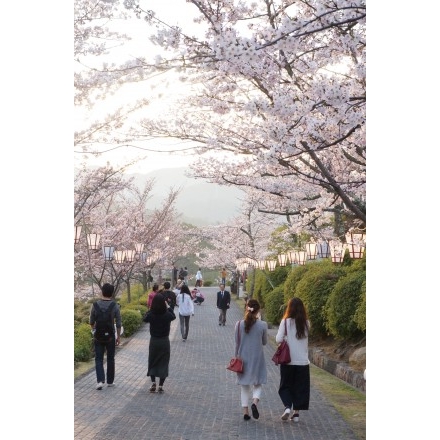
(250,337)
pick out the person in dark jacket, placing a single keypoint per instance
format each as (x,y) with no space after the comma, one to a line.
(223,302)
(159,350)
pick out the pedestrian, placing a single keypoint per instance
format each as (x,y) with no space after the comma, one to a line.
(169,295)
(250,337)
(223,302)
(152,294)
(223,275)
(175,274)
(186,309)
(185,275)
(159,350)
(294,389)
(199,278)
(197,296)
(109,310)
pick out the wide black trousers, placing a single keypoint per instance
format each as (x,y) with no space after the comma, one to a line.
(294,389)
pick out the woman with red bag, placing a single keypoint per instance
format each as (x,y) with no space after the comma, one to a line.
(294,389)
(251,336)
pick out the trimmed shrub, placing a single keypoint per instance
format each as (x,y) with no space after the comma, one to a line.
(314,288)
(141,308)
(342,304)
(83,343)
(131,321)
(274,309)
(292,280)
(360,317)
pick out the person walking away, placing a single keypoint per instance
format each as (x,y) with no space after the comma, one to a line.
(249,346)
(199,278)
(152,294)
(185,275)
(186,309)
(104,315)
(159,350)
(169,295)
(223,302)
(175,274)
(294,389)
(223,275)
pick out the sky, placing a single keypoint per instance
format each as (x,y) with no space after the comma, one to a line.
(148,160)
(37,195)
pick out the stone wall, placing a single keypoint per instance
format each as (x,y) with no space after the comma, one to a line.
(341,370)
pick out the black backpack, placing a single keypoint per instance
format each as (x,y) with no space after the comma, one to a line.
(104,326)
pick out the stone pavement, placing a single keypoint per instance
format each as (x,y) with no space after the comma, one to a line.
(201,400)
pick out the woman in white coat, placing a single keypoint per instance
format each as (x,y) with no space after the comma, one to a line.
(186,309)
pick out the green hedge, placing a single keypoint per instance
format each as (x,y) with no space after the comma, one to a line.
(274,309)
(342,305)
(131,320)
(83,343)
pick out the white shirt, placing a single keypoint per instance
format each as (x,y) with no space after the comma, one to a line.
(198,275)
(186,307)
(299,348)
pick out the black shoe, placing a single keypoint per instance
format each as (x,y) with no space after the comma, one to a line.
(219,323)
(255,413)
(246,417)
(160,390)
(153,388)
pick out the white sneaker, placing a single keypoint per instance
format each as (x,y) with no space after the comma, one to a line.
(286,413)
(111,384)
(295,417)
(99,385)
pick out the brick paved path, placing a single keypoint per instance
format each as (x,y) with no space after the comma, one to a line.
(201,400)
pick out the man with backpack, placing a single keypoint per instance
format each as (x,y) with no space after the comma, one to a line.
(103,316)
(169,295)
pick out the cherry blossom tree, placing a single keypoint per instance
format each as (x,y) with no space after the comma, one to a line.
(281,85)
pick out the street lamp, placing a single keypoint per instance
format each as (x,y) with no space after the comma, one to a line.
(282,259)
(355,243)
(108,252)
(337,251)
(312,250)
(93,241)
(77,233)
(271,264)
(323,249)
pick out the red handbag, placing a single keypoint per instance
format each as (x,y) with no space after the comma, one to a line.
(236,363)
(282,354)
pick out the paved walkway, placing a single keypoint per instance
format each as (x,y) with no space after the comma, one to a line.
(201,400)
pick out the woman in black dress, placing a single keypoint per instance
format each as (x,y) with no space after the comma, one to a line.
(159,351)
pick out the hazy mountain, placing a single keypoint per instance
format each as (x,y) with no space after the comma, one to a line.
(200,203)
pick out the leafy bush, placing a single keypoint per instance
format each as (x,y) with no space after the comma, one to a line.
(274,309)
(141,308)
(292,280)
(207,283)
(342,304)
(314,288)
(360,317)
(83,343)
(131,321)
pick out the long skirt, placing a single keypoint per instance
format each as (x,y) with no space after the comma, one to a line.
(294,389)
(159,353)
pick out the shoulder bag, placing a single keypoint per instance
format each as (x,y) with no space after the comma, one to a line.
(282,355)
(236,363)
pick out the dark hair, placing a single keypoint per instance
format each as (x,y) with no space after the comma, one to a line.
(155,287)
(158,305)
(185,289)
(107,290)
(296,310)
(250,316)
(166,285)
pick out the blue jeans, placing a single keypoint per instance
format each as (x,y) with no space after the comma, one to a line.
(184,325)
(100,349)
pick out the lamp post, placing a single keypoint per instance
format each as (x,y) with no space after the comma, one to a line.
(355,243)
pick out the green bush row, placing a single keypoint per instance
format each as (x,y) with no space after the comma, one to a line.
(334,295)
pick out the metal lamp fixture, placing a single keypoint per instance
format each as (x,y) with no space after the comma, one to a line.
(108,252)
(77,233)
(261,264)
(355,243)
(119,256)
(271,264)
(302,257)
(323,250)
(93,241)
(312,250)
(282,259)
(337,252)
(139,247)
(293,258)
